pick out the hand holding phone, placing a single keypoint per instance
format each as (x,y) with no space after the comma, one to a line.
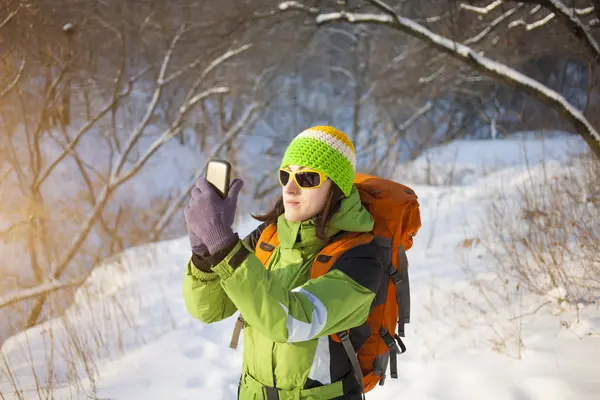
(218,174)
(209,218)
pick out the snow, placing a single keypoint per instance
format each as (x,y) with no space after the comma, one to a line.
(463,162)
(482,10)
(456,349)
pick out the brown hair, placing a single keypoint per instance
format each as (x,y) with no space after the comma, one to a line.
(332,205)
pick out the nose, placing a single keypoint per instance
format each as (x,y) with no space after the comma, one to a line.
(291,187)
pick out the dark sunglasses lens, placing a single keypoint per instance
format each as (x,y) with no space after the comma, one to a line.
(284,177)
(308,179)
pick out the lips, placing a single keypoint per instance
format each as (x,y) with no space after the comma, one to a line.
(292,203)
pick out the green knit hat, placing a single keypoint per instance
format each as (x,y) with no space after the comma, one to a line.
(325,149)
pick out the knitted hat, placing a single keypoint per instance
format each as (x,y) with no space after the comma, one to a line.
(325,149)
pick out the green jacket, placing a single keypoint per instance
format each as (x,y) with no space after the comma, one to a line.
(288,316)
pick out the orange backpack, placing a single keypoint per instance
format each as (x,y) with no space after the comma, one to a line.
(395,209)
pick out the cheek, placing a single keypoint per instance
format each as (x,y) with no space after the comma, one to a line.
(316,199)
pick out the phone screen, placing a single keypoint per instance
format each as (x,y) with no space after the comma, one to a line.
(217,173)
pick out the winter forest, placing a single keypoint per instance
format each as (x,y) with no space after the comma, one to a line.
(110,109)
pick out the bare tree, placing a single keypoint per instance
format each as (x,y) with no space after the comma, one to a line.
(50,133)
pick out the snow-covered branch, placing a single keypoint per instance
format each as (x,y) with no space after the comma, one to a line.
(477,61)
(481,10)
(557,9)
(472,40)
(533,25)
(492,25)
(289,5)
(570,18)
(42,289)
(583,11)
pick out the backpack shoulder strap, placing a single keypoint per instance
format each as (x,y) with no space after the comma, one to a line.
(330,253)
(267,242)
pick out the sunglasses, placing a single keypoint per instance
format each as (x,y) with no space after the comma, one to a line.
(306,179)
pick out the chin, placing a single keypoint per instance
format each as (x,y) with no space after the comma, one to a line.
(293,217)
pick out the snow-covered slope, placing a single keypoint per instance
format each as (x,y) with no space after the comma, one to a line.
(463,162)
(455,350)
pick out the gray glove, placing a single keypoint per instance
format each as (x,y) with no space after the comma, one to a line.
(198,246)
(209,217)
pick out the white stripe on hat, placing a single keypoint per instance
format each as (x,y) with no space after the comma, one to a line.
(331,141)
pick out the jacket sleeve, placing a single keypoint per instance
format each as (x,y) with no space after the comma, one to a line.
(203,294)
(204,297)
(339,300)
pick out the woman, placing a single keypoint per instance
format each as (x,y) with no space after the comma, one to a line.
(288,316)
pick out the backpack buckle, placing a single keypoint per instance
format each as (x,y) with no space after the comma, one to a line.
(343,336)
(395,275)
(389,341)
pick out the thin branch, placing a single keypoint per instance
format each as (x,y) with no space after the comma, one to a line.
(10,16)
(13,227)
(401,129)
(201,96)
(418,114)
(531,312)
(212,66)
(137,133)
(5,174)
(42,289)
(85,128)
(345,72)
(432,77)
(73,153)
(119,78)
(477,61)
(13,83)
(481,10)
(437,18)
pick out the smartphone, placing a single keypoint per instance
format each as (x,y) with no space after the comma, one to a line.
(218,173)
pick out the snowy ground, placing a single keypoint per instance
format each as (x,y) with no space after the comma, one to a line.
(453,352)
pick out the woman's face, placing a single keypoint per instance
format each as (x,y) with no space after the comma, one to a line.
(301,204)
